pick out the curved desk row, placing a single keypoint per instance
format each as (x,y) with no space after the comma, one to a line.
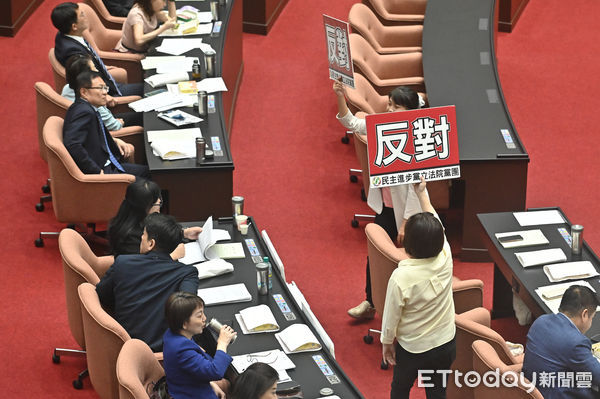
(196,192)
(460,68)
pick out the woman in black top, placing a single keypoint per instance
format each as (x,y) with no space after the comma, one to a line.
(125,229)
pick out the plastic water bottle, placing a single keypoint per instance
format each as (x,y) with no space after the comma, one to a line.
(266,260)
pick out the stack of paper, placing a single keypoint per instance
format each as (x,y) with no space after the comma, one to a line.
(205,246)
(528,238)
(257,319)
(154,62)
(161,79)
(157,102)
(225,294)
(212,268)
(275,358)
(179,118)
(177,46)
(298,338)
(552,294)
(184,65)
(539,217)
(542,257)
(570,271)
(211,85)
(174,144)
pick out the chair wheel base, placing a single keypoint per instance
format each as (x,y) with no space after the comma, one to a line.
(77,384)
(353,178)
(345,140)
(383,365)
(39,207)
(46,188)
(354,223)
(39,242)
(368,339)
(55,358)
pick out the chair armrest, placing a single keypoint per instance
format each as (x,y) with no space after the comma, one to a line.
(468,294)
(104,263)
(477,315)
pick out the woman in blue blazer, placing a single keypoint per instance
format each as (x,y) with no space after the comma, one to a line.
(191,372)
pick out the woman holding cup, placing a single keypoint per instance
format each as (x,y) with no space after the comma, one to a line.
(190,371)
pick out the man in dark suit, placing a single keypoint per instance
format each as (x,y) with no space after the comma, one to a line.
(71,22)
(558,357)
(86,138)
(136,287)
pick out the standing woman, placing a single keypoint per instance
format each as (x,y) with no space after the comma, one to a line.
(142,24)
(392,205)
(191,372)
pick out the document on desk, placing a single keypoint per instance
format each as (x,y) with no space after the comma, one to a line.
(178,46)
(275,358)
(225,294)
(551,295)
(198,251)
(212,268)
(257,319)
(542,257)
(155,102)
(184,65)
(161,79)
(189,28)
(298,338)
(154,62)
(535,218)
(174,144)
(524,238)
(570,271)
(211,85)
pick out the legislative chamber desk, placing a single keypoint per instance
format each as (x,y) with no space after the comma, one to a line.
(510,276)
(459,65)
(306,372)
(195,192)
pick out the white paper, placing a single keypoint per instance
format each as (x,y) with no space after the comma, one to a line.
(231,250)
(178,46)
(570,270)
(190,134)
(155,102)
(225,294)
(155,62)
(556,291)
(296,336)
(161,79)
(212,268)
(179,118)
(204,16)
(211,85)
(274,358)
(530,237)
(206,47)
(542,257)
(255,316)
(173,149)
(197,251)
(534,218)
(184,65)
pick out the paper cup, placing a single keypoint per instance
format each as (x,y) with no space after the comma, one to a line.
(240,220)
(244,229)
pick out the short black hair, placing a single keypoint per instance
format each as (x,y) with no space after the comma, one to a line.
(254,381)
(423,236)
(64,16)
(405,96)
(576,298)
(179,309)
(165,231)
(84,80)
(76,64)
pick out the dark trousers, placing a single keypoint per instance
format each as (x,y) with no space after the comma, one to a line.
(408,366)
(386,220)
(131,168)
(131,89)
(131,118)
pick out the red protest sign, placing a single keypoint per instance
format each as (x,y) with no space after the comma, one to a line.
(408,144)
(338,50)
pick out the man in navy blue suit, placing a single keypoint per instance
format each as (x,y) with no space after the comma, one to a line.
(136,287)
(71,22)
(86,138)
(558,357)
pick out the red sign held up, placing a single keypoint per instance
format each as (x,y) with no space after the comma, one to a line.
(405,145)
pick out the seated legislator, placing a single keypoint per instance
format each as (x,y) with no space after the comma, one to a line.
(259,381)
(392,205)
(125,229)
(191,372)
(419,308)
(556,348)
(79,63)
(142,24)
(118,8)
(136,287)
(86,138)
(71,22)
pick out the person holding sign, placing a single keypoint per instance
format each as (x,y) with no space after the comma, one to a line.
(419,308)
(392,205)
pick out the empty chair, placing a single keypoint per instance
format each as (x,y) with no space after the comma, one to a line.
(385,39)
(80,265)
(486,359)
(105,40)
(471,326)
(108,20)
(77,197)
(386,71)
(104,337)
(400,11)
(137,370)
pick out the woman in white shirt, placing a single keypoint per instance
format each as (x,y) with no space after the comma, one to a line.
(142,24)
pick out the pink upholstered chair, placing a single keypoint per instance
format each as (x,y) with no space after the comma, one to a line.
(471,326)
(386,71)
(385,39)
(400,11)
(80,265)
(108,20)
(105,40)
(485,358)
(137,370)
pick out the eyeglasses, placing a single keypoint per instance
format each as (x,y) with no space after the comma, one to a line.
(103,88)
